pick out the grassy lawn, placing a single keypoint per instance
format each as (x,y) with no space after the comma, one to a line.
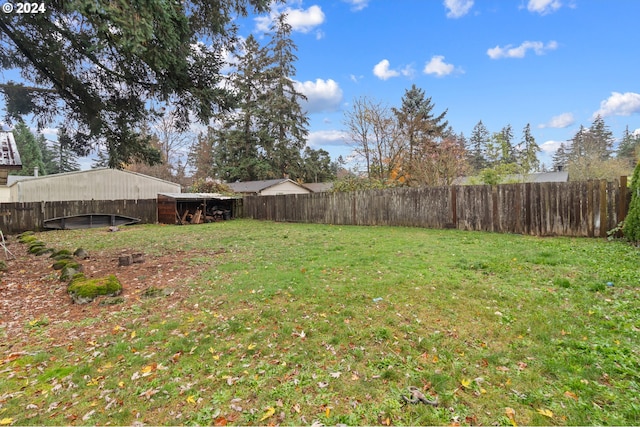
(301,323)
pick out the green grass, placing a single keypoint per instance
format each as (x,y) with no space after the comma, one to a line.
(283,321)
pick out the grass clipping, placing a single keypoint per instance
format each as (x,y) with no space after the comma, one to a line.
(84,290)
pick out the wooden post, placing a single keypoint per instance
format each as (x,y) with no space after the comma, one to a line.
(622,199)
(604,219)
(590,210)
(496,215)
(454,206)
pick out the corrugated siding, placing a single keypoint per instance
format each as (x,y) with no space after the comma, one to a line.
(102,184)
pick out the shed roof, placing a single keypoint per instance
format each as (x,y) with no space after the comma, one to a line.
(257,186)
(198,196)
(95,171)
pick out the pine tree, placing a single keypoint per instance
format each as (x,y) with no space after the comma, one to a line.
(30,151)
(418,124)
(527,155)
(287,123)
(242,144)
(561,158)
(629,146)
(104,66)
(477,147)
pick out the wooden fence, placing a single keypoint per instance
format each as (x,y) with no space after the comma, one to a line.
(18,217)
(543,209)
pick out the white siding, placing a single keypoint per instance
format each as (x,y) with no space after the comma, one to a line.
(5,194)
(95,184)
(286,187)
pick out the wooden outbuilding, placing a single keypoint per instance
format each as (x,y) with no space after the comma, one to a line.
(197,208)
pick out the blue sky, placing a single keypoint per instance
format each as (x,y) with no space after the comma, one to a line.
(551,63)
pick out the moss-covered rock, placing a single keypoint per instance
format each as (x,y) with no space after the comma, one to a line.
(62,253)
(69,272)
(62,263)
(36,246)
(43,251)
(27,239)
(81,253)
(84,290)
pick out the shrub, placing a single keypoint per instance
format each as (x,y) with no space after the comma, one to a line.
(631,226)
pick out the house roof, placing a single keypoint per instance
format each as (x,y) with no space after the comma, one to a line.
(257,186)
(319,187)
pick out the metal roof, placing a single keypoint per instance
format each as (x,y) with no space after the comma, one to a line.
(198,196)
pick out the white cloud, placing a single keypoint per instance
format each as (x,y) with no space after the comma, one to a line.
(357,5)
(382,70)
(305,20)
(438,67)
(619,104)
(322,95)
(301,20)
(324,138)
(509,51)
(550,146)
(543,7)
(559,122)
(457,8)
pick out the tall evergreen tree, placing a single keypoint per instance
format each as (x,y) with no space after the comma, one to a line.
(527,155)
(419,126)
(507,153)
(561,158)
(242,146)
(30,151)
(629,147)
(287,123)
(99,63)
(477,147)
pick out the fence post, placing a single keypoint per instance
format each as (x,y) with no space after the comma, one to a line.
(604,219)
(622,202)
(454,206)
(495,214)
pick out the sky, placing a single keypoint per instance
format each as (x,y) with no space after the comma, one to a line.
(553,64)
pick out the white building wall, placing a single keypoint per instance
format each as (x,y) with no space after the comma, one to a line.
(95,184)
(286,187)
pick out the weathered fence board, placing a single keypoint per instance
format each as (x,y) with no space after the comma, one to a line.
(588,208)
(18,217)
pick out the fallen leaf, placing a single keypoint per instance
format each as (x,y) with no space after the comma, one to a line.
(571,395)
(133,334)
(268,413)
(251,346)
(502,368)
(6,421)
(327,412)
(335,374)
(465,383)
(191,399)
(511,414)
(545,412)
(88,415)
(220,421)
(323,384)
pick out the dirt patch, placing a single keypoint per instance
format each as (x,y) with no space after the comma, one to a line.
(32,295)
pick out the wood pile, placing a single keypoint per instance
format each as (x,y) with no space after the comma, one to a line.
(199,216)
